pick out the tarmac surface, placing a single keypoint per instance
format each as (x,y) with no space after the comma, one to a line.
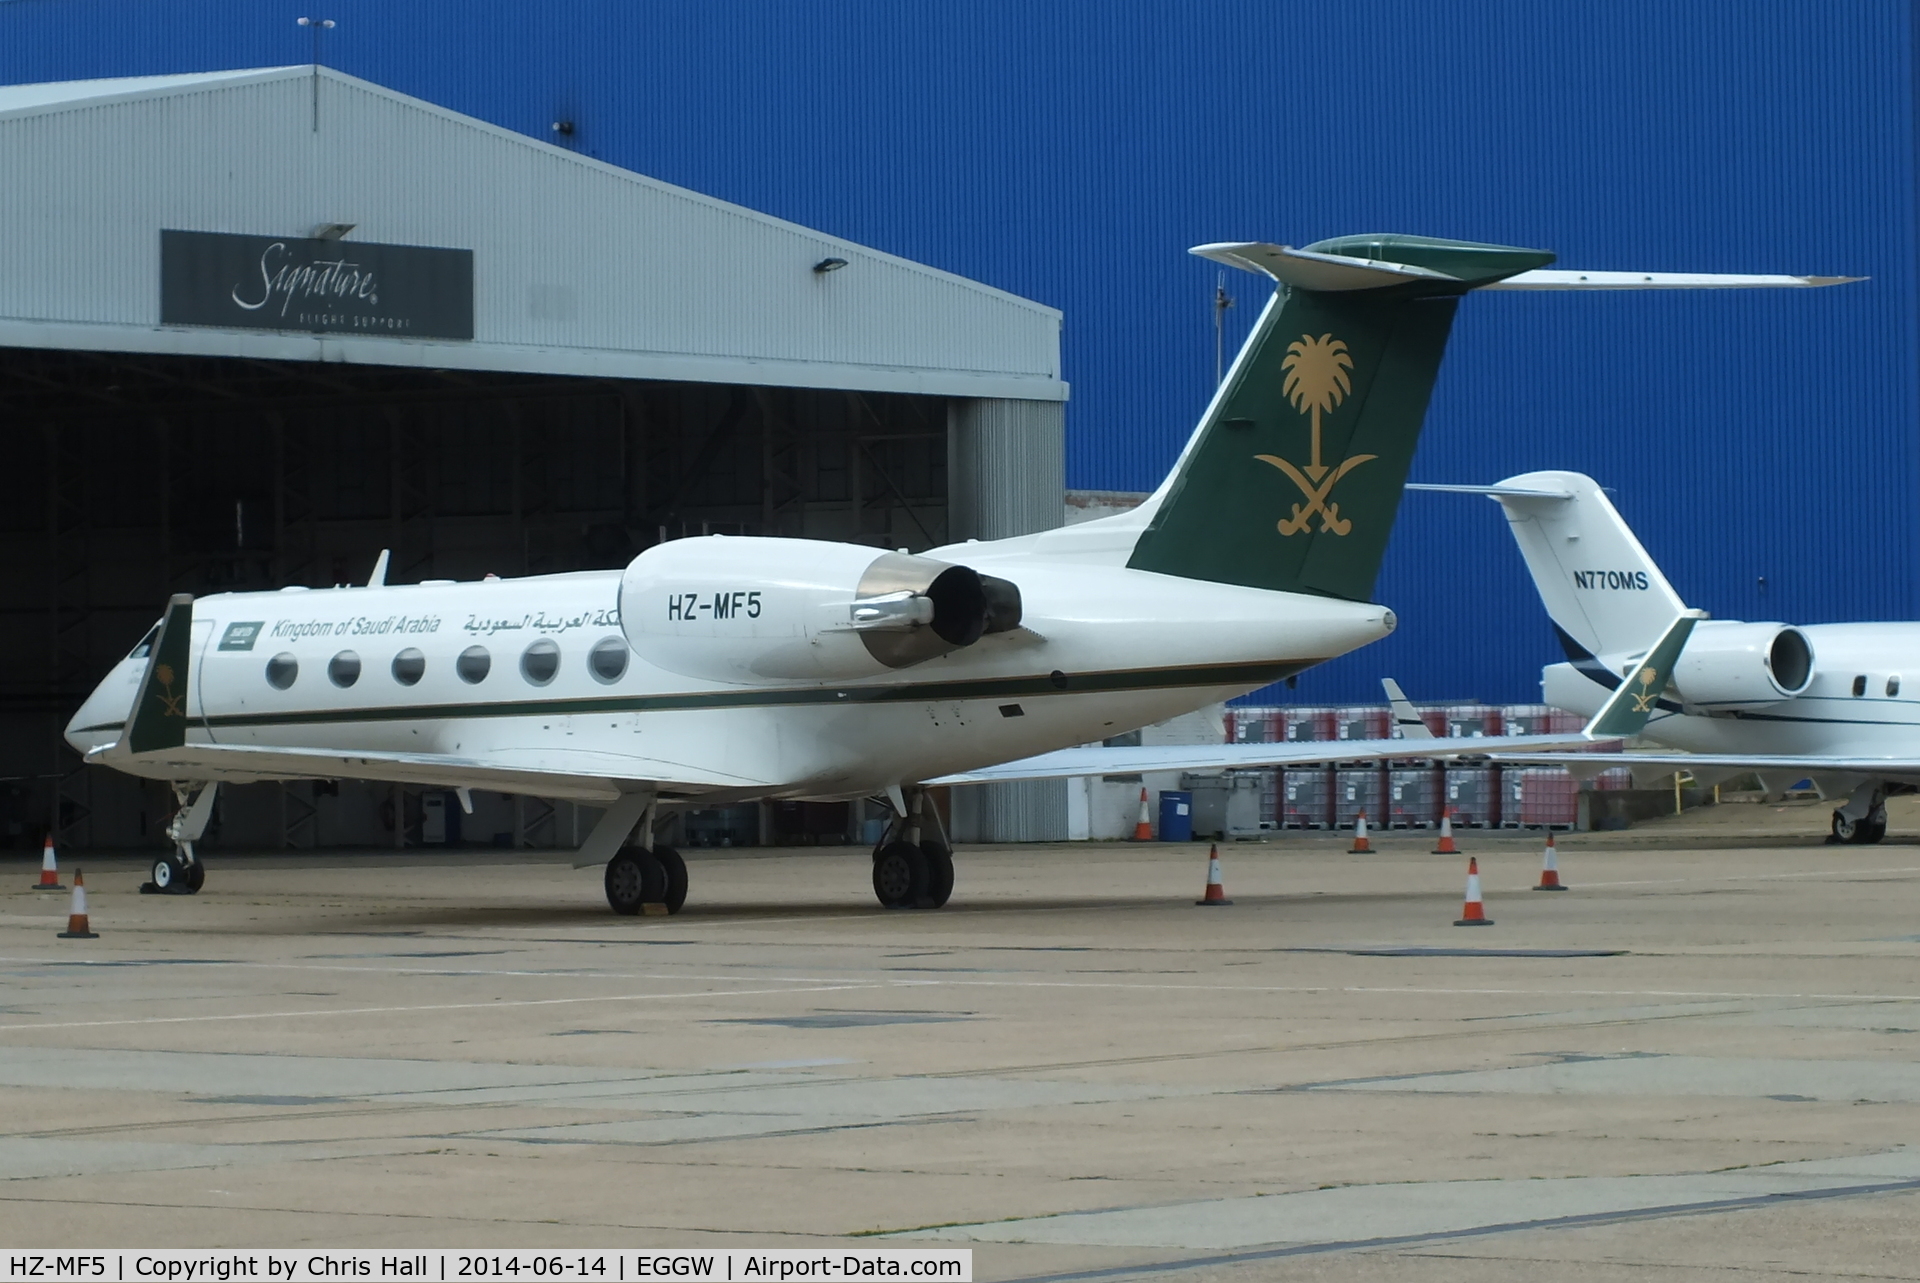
(1699,1062)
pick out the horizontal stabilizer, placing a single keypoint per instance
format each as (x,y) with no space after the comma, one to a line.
(1309,270)
(1492,492)
(1560,279)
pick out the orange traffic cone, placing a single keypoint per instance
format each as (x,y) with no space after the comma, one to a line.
(1143,830)
(1549,870)
(49,869)
(1216,891)
(77,916)
(1445,845)
(1360,844)
(1475,914)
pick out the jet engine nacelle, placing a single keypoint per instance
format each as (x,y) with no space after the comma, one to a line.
(1732,665)
(748,609)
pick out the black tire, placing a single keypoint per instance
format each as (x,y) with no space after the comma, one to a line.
(170,874)
(196,877)
(939,875)
(1862,831)
(634,878)
(676,870)
(900,875)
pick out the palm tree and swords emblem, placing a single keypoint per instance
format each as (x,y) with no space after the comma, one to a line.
(1317,382)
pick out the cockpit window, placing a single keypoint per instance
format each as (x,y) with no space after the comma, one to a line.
(145,648)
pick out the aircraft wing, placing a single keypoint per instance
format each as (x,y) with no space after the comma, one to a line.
(577,776)
(1776,764)
(1624,714)
(1069,762)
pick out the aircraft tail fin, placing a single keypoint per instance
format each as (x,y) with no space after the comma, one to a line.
(1316,423)
(1599,586)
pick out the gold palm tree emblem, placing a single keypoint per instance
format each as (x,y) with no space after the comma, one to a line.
(1316,382)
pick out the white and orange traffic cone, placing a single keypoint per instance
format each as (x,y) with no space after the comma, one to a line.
(49,869)
(1549,870)
(1360,844)
(1143,828)
(1216,890)
(77,928)
(1475,914)
(1445,845)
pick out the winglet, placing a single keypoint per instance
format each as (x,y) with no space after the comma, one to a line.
(159,718)
(378,579)
(1405,716)
(1626,712)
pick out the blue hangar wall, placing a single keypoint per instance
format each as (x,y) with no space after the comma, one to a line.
(1071,152)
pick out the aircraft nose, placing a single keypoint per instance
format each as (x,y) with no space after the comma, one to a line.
(95,723)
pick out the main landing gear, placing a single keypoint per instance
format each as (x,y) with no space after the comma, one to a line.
(1863,819)
(911,872)
(641,874)
(180,871)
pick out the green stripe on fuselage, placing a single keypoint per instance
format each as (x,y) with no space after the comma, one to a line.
(1134,679)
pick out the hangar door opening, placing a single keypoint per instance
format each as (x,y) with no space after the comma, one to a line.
(137,476)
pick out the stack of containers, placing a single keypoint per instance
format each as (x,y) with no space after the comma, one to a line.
(1415,785)
(1359,786)
(1539,797)
(1306,791)
(1473,792)
(1261,724)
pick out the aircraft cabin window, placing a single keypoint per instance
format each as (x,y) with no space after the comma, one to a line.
(1859,685)
(607,661)
(281,670)
(1893,686)
(343,670)
(409,666)
(473,664)
(540,661)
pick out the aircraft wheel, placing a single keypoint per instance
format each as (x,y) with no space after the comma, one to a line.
(196,877)
(939,875)
(170,874)
(900,875)
(634,878)
(676,871)
(1875,825)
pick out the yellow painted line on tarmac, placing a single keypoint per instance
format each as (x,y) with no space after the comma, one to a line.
(1833,874)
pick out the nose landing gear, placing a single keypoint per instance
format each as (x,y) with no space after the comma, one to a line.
(180,871)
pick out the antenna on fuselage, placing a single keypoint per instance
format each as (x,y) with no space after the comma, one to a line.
(378,579)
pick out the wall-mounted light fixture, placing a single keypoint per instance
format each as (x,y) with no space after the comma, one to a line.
(564,128)
(826,265)
(331,231)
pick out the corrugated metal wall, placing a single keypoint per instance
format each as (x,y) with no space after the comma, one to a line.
(1069,153)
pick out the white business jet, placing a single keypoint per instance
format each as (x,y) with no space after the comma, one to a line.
(721,669)
(1786,703)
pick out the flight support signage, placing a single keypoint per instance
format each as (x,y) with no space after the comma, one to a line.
(317,286)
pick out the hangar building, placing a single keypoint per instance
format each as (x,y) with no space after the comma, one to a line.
(256,326)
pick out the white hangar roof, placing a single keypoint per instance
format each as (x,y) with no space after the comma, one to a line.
(577,267)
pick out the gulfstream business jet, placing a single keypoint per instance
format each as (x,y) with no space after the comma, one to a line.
(1837,703)
(720,669)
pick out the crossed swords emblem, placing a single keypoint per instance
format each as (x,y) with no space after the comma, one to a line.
(1316,495)
(171,705)
(1643,702)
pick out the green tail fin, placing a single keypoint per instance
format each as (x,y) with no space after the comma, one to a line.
(1293,478)
(159,718)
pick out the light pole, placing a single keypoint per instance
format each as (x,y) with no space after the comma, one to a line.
(316,25)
